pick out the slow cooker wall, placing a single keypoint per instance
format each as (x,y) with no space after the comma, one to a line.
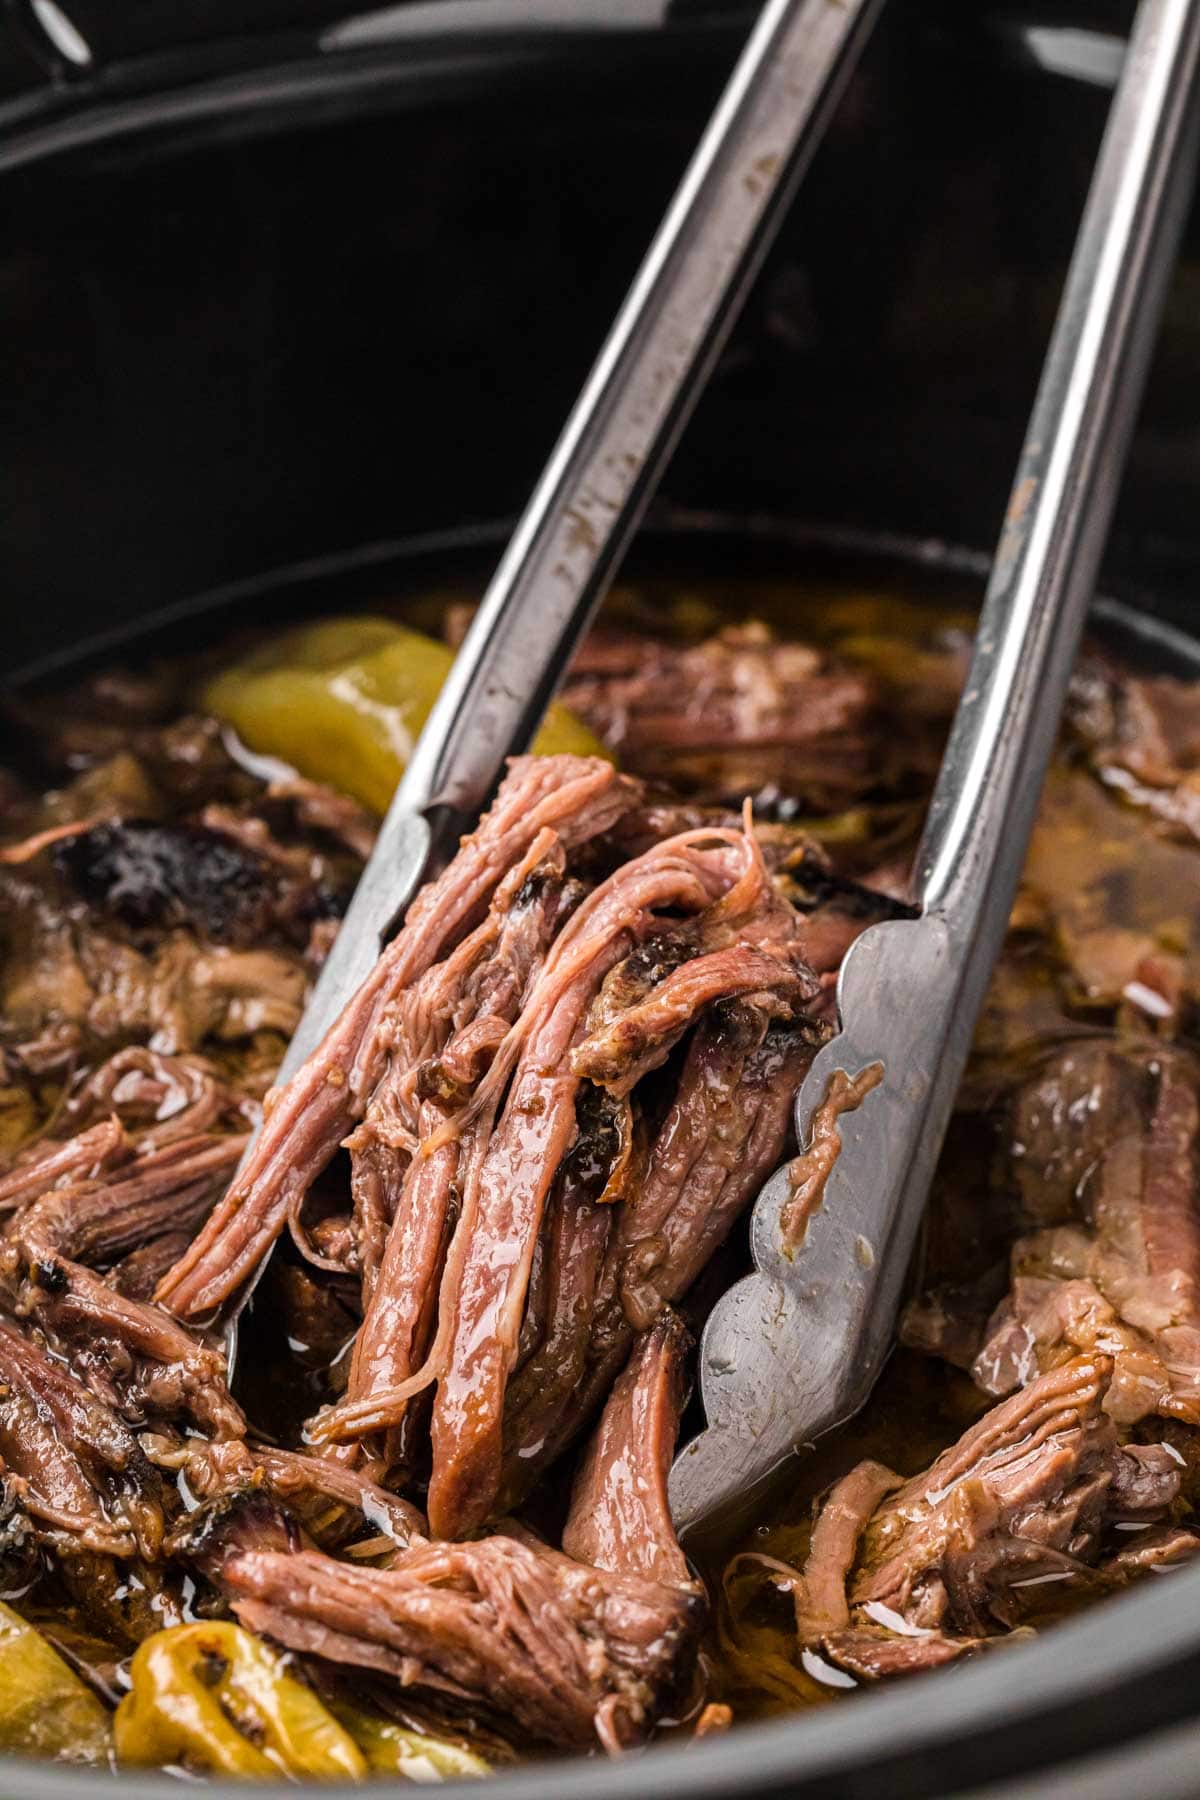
(278,333)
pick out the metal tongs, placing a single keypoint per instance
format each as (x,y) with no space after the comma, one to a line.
(599,480)
(605,467)
(795,1348)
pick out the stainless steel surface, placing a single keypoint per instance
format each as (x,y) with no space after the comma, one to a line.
(605,466)
(602,472)
(636,401)
(795,1348)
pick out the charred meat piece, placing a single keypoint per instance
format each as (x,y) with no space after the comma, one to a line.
(148,874)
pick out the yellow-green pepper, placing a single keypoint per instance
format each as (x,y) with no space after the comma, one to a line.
(391,1749)
(343,701)
(214,1698)
(45,1710)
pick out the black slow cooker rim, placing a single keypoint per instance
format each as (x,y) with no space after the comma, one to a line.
(1096,1680)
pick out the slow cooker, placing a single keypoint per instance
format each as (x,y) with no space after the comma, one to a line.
(295,306)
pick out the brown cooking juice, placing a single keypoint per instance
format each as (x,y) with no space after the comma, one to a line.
(1102,947)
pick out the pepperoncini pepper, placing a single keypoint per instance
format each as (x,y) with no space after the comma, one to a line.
(45,1710)
(343,701)
(214,1698)
(392,1749)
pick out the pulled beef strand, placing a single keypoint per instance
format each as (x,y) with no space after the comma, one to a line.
(1141,734)
(486,988)
(740,712)
(578,798)
(620,1516)
(573,1651)
(739,941)
(77,1219)
(723,1133)
(502,1214)
(83,1475)
(304,1485)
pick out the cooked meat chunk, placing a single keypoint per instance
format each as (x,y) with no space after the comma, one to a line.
(1124,1277)
(740,713)
(147,874)
(83,1476)
(620,1517)
(493,1257)
(404,1203)
(576,798)
(820,1596)
(927,1567)
(574,1651)
(518,1163)
(1143,734)
(153,1163)
(722,1134)
(874,1654)
(304,1485)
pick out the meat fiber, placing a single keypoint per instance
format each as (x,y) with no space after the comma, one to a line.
(84,1478)
(620,1516)
(739,713)
(908,1575)
(574,1648)
(575,797)
(1143,735)
(690,930)
(154,1163)
(1119,1272)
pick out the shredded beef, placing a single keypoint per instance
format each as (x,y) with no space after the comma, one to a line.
(908,1575)
(739,713)
(577,798)
(1143,735)
(577,1646)
(1119,1270)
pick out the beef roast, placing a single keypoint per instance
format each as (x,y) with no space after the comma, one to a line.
(576,798)
(1143,735)
(738,713)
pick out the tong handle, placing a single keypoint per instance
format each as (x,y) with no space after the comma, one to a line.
(605,466)
(1066,484)
(635,402)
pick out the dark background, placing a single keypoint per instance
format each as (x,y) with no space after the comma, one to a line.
(262,300)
